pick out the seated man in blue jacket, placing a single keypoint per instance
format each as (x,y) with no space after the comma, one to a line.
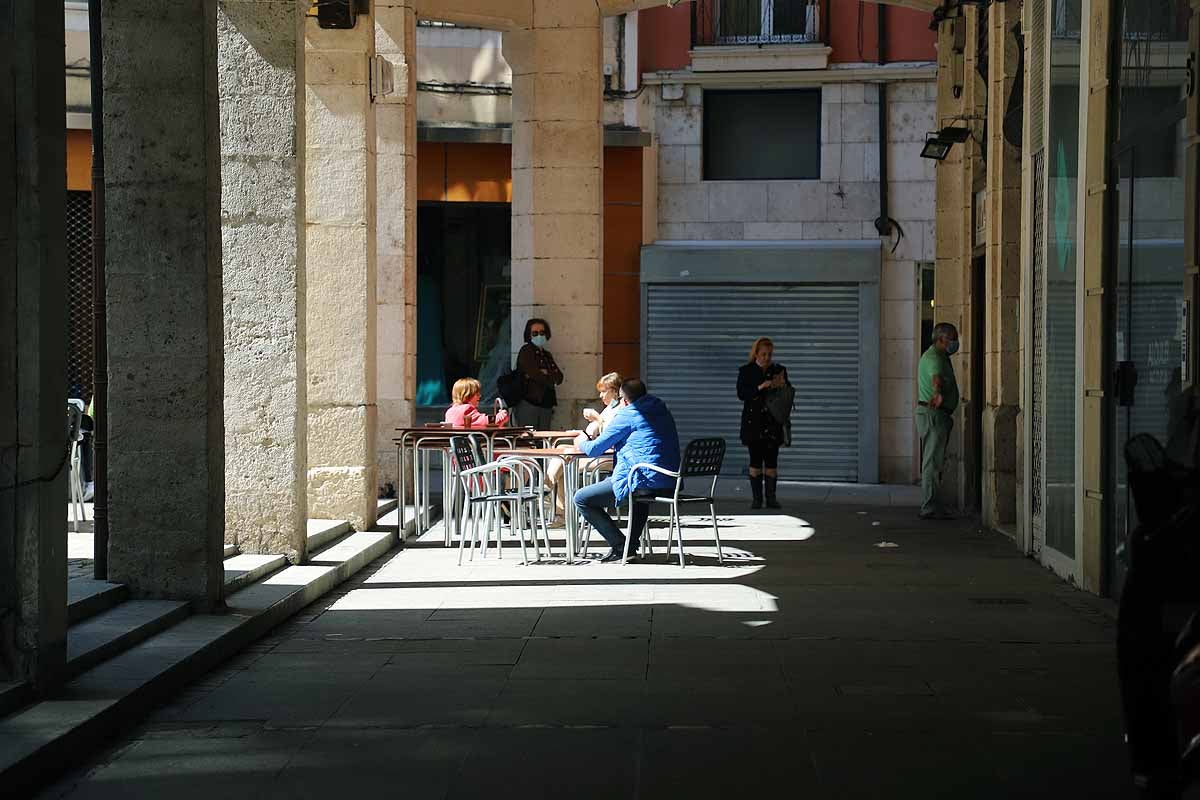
(642,432)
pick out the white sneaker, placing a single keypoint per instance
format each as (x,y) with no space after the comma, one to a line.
(89,490)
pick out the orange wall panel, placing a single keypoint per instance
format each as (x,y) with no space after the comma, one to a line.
(622,309)
(79,161)
(478,173)
(431,171)
(622,238)
(622,358)
(623,175)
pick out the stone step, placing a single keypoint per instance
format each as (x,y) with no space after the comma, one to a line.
(86,598)
(111,633)
(386,506)
(247,568)
(323,531)
(83,715)
(13,695)
(231,550)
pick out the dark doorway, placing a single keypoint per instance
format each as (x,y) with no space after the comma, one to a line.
(976,404)
(463,296)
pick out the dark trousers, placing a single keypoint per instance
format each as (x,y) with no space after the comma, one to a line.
(591,501)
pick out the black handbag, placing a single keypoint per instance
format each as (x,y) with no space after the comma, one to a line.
(510,387)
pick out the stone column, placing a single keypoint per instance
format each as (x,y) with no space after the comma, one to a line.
(396,238)
(33,345)
(1003,371)
(558,156)
(1097,135)
(340,251)
(260,72)
(166,465)
(954,231)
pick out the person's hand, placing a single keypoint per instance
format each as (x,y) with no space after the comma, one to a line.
(764,385)
(936,401)
(581,438)
(591,414)
(501,417)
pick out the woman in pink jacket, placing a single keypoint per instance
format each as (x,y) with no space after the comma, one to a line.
(465,412)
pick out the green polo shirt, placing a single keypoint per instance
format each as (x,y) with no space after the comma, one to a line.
(937,363)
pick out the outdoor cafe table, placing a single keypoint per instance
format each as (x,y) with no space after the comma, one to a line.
(436,437)
(569,456)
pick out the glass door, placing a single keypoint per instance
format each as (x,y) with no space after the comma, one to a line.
(1145,284)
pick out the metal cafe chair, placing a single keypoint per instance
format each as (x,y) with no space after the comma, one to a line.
(701,459)
(75,476)
(484,489)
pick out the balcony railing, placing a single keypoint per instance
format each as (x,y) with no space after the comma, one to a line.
(757,22)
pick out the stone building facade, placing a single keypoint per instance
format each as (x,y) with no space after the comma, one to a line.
(858,179)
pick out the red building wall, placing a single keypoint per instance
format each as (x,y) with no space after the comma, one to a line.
(664,35)
(664,38)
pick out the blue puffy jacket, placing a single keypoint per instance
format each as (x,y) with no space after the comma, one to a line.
(643,432)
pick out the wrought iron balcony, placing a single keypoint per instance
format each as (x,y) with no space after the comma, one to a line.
(758,22)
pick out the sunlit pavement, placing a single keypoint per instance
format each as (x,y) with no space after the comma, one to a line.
(839,652)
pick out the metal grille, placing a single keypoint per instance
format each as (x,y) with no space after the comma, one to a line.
(698,336)
(1037,74)
(1037,379)
(79,295)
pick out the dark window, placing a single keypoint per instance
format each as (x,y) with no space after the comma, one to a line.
(1143,111)
(762,135)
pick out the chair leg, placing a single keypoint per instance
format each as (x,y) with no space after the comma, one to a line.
(647,540)
(628,533)
(468,512)
(679,531)
(716,533)
(544,527)
(671,536)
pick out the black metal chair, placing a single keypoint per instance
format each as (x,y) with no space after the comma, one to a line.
(701,459)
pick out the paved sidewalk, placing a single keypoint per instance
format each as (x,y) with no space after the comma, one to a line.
(819,662)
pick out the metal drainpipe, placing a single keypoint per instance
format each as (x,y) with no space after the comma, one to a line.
(884,223)
(99,290)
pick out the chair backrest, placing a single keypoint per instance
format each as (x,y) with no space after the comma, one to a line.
(703,457)
(74,422)
(464,452)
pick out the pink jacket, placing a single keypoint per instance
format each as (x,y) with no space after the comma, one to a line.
(464,415)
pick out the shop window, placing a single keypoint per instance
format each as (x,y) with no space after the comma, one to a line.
(762,135)
(1141,111)
(925,278)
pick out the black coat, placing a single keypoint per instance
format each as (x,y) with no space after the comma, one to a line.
(758,425)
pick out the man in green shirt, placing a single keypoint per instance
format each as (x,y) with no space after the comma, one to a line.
(937,391)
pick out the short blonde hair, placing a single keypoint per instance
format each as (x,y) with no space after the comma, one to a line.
(464,389)
(759,342)
(612,380)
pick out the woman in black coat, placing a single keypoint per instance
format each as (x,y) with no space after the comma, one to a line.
(761,432)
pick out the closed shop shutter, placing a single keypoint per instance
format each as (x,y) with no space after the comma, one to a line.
(699,335)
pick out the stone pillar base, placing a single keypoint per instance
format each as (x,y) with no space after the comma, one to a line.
(1000,449)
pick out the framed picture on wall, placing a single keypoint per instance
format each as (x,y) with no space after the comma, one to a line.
(494,302)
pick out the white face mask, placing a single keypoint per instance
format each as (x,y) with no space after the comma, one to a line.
(539,340)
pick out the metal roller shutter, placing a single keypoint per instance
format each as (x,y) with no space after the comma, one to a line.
(699,335)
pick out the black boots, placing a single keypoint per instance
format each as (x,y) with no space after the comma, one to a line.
(756,486)
(772,502)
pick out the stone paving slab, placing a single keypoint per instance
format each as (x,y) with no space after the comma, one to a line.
(813,665)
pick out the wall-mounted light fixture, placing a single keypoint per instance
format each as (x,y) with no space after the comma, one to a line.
(938,145)
(338,14)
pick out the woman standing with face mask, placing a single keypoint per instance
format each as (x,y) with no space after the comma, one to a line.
(762,433)
(541,374)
